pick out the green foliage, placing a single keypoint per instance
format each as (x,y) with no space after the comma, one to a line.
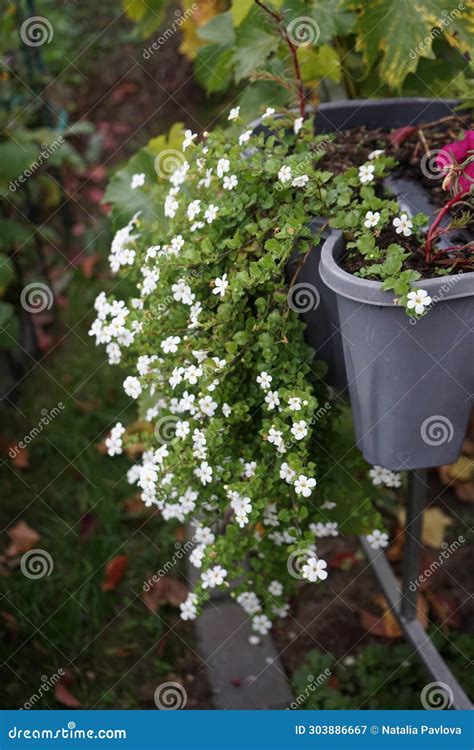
(376,677)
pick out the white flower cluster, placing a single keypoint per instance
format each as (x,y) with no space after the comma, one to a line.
(384,477)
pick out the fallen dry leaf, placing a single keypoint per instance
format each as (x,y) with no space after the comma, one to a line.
(21,459)
(62,692)
(23,539)
(386,624)
(445,609)
(398,136)
(435,523)
(114,572)
(166,590)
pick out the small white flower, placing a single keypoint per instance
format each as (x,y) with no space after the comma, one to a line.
(366,173)
(137,180)
(223,166)
(204,473)
(170,344)
(249,469)
(403,225)
(261,624)
(299,430)
(300,181)
(275,588)
(194,209)
(213,577)
(189,137)
(272,399)
(418,301)
(371,219)
(377,539)
(268,113)
(294,403)
(226,410)
(211,213)
(220,285)
(132,387)
(287,473)
(264,380)
(207,406)
(188,608)
(297,125)
(314,569)
(304,485)
(244,137)
(375,154)
(233,114)
(182,429)
(230,182)
(284,175)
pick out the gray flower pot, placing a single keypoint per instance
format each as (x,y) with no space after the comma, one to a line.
(317,303)
(411,381)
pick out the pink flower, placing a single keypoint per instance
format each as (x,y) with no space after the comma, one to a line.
(456,161)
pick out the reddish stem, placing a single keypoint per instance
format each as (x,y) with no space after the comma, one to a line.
(293,52)
(431,235)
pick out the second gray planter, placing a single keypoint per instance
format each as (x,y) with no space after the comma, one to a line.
(411,381)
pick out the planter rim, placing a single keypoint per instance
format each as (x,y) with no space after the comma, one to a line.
(370,292)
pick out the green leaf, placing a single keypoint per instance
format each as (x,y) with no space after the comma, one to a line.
(9,325)
(322,62)
(380,33)
(240,10)
(254,45)
(213,68)
(218,30)
(7,273)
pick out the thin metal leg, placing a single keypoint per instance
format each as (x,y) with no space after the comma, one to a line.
(417,485)
(403,602)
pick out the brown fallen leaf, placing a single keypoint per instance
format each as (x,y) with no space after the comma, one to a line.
(435,523)
(62,692)
(23,539)
(165,590)
(89,525)
(21,458)
(395,551)
(386,624)
(344,560)
(114,572)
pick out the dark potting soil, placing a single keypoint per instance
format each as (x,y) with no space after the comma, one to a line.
(352,147)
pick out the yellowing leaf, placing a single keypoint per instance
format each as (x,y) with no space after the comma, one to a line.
(196,14)
(239,10)
(320,62)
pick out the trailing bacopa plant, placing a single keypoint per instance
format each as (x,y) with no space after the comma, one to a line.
(386,244)
(237,419)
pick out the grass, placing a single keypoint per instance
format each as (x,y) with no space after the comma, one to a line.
(115,649)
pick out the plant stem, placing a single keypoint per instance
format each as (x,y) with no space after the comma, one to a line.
(293,52)
(431,235)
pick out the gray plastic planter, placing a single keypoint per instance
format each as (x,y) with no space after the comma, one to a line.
(322,319)
(411,382)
